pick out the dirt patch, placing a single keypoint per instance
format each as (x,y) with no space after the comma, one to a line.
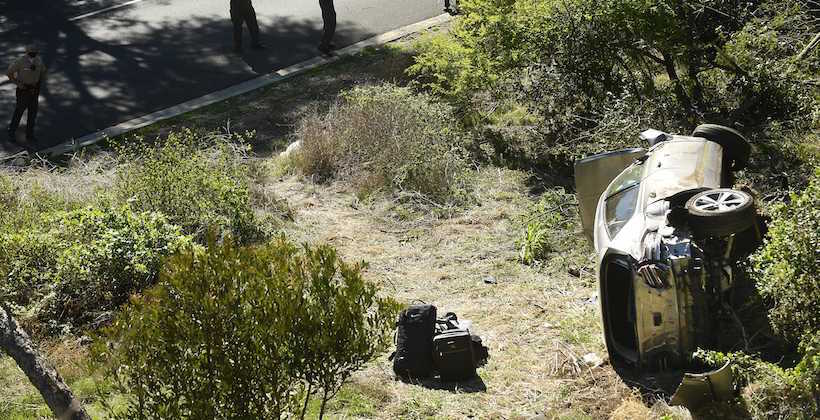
(538,324)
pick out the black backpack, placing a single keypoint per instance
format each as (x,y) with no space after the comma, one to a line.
(415,326)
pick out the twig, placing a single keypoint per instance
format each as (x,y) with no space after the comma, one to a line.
(812,44)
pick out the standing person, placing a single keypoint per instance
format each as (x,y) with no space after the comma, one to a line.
(28,73)
(328,27)
(242,12)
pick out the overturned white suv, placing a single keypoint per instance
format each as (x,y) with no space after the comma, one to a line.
(668,229)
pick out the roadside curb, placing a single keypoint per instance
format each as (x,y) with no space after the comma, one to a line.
(241,88)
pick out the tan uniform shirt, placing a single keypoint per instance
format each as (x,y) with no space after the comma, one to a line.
(22,70)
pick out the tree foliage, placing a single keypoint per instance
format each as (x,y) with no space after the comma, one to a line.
(788,265)
(599,71)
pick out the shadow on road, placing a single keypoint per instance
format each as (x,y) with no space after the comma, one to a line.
(110,69)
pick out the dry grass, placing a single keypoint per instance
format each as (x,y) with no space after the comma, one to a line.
(537,324)
(78,180)
(537,321)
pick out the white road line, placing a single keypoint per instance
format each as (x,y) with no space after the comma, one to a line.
(107,9)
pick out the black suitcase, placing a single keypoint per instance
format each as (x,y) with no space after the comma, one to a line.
(414,342)
(453,355)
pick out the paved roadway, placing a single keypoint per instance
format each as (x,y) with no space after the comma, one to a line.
(113,66)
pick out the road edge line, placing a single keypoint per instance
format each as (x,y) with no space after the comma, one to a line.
(241,88)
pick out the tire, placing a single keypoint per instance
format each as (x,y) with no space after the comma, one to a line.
(721,212)
(735,147)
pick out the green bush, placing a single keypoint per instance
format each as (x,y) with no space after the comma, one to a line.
(230,331)
(552,228)
(85,262)
(787,267)
(595,73)
(386,138)
(768,391)
(199,182)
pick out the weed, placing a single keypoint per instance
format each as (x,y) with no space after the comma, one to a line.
(385,138)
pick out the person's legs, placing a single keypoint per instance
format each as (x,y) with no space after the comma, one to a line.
(236,19)
(253,25)
(34,104)
(329,20)
(18,113)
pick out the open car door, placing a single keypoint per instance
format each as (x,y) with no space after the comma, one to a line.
(592,175)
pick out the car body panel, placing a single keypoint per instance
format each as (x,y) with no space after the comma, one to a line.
(592,176)
(681,164)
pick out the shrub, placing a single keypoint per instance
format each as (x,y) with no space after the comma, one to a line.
(386,138)
(769,391)
(197,181)
(549,227)
(84,262)
(8,193)
(229,332)
(348,321)
(787,266)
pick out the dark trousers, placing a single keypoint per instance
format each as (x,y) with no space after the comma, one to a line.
(27,100)
(329,20)
(244,14)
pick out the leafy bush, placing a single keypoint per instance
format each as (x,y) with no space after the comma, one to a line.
(84,262)
(229,332)
(597,72)
(769,391)
(386,138)
(549,227)
(197,181)
(787,267)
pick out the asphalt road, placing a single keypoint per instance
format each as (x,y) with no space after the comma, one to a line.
(116,65)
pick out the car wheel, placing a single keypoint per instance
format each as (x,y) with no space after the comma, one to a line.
(735,146)
(720,212)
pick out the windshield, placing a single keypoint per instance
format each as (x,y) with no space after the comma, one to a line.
(629,177)
(619,209)
(622,198)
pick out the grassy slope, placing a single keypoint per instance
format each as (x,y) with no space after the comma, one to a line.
(537,322)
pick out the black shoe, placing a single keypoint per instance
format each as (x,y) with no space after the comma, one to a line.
(326,50)
(259,46)
(11,134)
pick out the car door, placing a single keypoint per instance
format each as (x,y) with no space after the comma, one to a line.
(592,175)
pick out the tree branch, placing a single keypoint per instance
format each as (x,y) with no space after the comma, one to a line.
(15,342)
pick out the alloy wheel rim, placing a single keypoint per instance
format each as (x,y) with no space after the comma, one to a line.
(719,201)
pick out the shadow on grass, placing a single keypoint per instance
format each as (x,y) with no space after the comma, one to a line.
(467,386)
